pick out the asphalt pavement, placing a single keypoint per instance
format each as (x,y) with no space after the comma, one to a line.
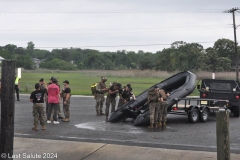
(86,128)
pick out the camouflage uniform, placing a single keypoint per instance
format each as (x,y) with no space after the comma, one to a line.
(111,100)
(162,113)
(100,97)
(153,98)
(38,113)
(66,106)
(124,96)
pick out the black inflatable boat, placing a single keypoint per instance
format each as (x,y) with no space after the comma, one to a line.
(179,85)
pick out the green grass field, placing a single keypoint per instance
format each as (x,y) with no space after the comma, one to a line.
(80,82)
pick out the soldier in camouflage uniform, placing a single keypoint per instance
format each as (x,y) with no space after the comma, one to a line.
(153,99)
(100,90)
(66,101)
(162,112)
(111,98)
(125,95)
(37,97)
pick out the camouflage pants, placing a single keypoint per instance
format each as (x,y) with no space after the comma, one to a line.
(66,109)
(121,102)
(59,110)
(110,101)
(99,102)
(38,114)
(46,100)
(153,112)
(162,113)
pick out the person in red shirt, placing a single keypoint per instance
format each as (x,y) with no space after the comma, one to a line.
(53,101)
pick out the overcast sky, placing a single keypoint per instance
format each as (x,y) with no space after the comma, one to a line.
(111,25)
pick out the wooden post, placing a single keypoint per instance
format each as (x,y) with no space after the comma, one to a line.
(223,139)
(7,109)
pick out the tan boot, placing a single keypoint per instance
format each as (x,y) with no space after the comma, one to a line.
(164,123)
(35,128)
(65,120)
(106,119)
(150,126)
(160,124)
(43,128)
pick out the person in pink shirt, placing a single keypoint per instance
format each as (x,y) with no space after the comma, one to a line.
(53,101)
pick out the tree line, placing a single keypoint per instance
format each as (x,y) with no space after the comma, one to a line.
(179,56)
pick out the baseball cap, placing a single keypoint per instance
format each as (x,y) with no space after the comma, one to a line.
(66,81)
(51,78)
(41,80)
(156,86)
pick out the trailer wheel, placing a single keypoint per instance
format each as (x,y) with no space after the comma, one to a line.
(204,115)
(193,115)
(236,111)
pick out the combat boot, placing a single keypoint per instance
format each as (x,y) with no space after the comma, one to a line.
(159,124)
(150,126)
(101,113)
(35,128)
(43,128)
(106,119)
(65,120)
(97,114)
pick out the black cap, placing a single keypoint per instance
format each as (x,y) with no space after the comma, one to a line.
(155,87)
(37,86)
(66,81)
(54,80)
(119,85)
(41,80)
(51,78)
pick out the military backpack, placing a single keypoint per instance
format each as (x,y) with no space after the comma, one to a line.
(93,88)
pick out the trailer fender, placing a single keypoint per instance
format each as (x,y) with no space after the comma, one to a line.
(191,108)
(202,107)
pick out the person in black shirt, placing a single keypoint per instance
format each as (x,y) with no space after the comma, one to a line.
(66,100)
(37,97)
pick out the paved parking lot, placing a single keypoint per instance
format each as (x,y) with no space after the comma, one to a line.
(85,126)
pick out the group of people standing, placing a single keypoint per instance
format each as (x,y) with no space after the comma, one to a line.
(53,96)
(125,94)
(157,100)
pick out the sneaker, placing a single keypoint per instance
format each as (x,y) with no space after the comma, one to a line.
(55,122)
(49,121)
